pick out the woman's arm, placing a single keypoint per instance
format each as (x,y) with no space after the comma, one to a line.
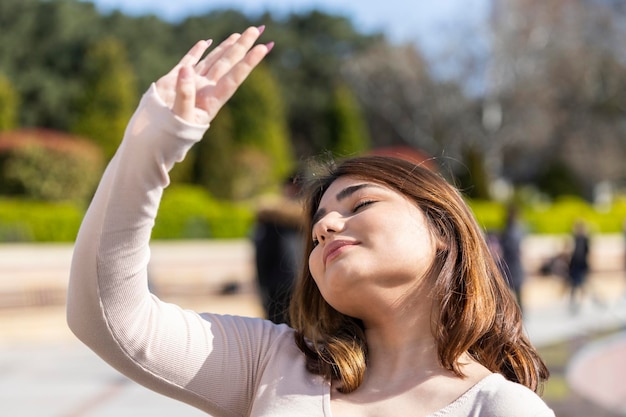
(172,351)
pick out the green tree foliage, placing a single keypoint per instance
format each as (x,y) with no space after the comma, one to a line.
(473,180)
(348,130)
(109,97)
(214,155)
(309,51)
(263,150)
(41,48)
(216,25)
(44,43)
(48,166)
(152,45)
(9,104)
(247,148)
(570,104)
(559,180)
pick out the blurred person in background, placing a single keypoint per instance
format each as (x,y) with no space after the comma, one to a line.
(578,265)
(511,251)
(624,250)
(278,247)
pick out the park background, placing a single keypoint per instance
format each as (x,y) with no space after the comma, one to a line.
(515,101)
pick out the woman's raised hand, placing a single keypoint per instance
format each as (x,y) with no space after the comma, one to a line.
(196,89)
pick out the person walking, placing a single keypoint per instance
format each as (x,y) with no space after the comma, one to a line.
(511,250)
(278,246)
(578,265)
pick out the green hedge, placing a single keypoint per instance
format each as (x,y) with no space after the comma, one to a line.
(489,214)
(32,221)
(555,218)
(47,165)
(186,213)
(189,212)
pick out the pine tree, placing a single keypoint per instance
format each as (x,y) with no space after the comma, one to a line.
(214,156)
(348,130)
(9,104)
(264,155)
(109,96)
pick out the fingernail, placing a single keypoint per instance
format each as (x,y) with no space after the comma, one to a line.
(209,42)
(261,29)
(269,46)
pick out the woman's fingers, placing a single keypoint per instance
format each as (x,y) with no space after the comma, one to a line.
(197,88)
(195,53)
(236,76)
(212,100)
(203,66)
(185,99)
(233,54)
(166,85)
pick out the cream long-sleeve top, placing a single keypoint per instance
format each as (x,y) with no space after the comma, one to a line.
(225,365)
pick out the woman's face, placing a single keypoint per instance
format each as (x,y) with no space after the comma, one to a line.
(372,247)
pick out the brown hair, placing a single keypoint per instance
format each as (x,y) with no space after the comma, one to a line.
(473,310)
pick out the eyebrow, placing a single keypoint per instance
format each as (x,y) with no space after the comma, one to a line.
(341,195)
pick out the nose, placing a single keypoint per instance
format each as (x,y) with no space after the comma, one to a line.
(332,222)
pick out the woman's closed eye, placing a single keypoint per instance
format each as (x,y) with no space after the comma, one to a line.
(361,204)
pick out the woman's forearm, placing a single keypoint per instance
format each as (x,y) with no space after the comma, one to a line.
(109,306)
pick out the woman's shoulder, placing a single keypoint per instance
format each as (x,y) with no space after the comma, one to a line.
(497,396)
(252,329)
(272,345)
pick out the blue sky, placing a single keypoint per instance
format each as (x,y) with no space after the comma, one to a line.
(421,21)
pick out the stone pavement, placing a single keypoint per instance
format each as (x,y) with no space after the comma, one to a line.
(46,372)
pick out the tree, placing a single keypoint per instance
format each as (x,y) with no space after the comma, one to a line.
(310,50)
(348,131)
(214,157)
(406,105)
(109,97)
(559,75)
(246,151)
(44,44)
(153,46)
(395,87)
(41,50)
(263,151)
(9,104)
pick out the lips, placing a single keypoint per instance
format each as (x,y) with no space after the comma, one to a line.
(334,248)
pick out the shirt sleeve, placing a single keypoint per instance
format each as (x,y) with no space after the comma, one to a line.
(209,361)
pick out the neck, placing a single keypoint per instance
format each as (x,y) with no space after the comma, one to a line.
(396,349)
(401,340)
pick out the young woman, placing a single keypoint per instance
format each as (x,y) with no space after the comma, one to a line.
(401,310)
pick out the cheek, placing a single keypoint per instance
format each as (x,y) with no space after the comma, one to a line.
(315,263)
(412,238)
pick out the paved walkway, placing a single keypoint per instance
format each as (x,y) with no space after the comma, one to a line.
(46,372)
(597,370)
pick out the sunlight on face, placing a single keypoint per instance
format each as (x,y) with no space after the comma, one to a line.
(373,246)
